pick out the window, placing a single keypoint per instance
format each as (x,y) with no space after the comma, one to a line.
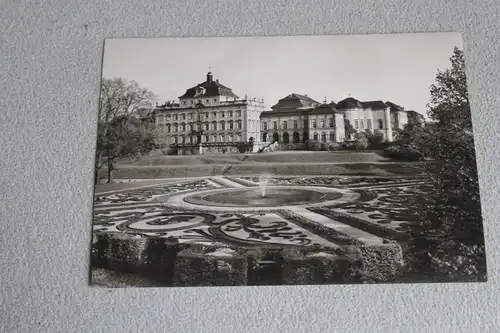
(190,116)
(264,125)
(183,127)
(275,125)
(230,113)
(215,100)
(332,136)
(238,124)
(214,114)
(206,138)
(222,125)
(314,124)
(369,124)
(168,117)
(214,125)
(295,124)
(175,128)
(199,101)
(206,126)
(362,124)
(229,138)
(183,140)
(183,102)
(230,125)
(175,139)
(183,116)
(206,114)
(323,137)
(330,120)
(222,138)
(214,138)
(285,125)
(175,117)
(222,114)
(315,137)
(356,123)
(168,128)
(238,113)
(380,124)
(322,123)
(206,101)
(191,102)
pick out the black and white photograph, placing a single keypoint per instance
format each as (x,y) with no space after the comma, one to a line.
(285,160)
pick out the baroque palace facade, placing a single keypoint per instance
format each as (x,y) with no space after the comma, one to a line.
(212,114)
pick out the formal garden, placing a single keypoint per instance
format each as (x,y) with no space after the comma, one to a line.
(365,211)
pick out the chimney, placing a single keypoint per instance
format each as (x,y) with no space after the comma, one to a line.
(210,77)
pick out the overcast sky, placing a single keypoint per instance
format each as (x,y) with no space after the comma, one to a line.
(395,67)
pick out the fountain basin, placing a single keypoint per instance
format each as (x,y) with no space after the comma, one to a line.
(276,196)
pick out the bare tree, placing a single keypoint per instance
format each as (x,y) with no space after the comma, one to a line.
(118,99)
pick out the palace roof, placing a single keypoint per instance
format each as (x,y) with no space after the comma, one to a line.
(376,105)
(297,100)
(209,88)
(349,103)
(325,109)
(394,107)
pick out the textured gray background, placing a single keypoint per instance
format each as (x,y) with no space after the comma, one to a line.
(50,55)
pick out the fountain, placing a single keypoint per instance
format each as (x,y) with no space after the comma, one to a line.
(264,196)
(263,180)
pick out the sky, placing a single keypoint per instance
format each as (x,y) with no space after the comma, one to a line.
(391,67)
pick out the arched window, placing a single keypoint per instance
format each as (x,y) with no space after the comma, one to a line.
(168,128)
(214,125)
(206,127)
(286,138)
(276,137)
(176,128)
(222,125)
(230,124)
(380,124)
(183,127)
(315,137)
(296,137)
(323,137)
(238,124)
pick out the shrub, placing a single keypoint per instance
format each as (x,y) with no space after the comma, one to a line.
(333,146)
(313,145)
(362,143)
(403,153)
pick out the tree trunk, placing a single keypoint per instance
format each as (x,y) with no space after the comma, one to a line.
(110,172)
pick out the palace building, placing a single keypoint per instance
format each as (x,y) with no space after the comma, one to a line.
(297,118)
(212,115)
(210,112)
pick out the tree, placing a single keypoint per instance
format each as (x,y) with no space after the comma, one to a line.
(119,102)
(349,129)
(453,216)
